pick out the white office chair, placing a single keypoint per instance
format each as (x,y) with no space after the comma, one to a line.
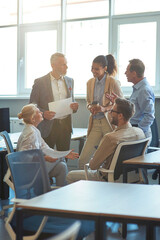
(124,151)
(70,233)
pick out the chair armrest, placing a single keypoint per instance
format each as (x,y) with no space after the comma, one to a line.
(54,187)
(154,148)
(86,167)
(18,200)
(106,170)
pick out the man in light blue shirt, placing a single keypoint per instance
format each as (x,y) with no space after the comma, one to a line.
(142,96)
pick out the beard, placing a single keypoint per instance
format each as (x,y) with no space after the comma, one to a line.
(114,121)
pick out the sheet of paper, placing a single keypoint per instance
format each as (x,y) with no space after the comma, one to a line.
(61,107)
(55,154)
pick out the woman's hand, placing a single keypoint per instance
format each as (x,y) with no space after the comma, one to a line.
(72,155)
(94,109)
(50,159)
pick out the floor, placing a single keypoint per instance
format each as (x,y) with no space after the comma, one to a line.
(134,232)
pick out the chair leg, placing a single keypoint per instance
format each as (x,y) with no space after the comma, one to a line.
(124,230)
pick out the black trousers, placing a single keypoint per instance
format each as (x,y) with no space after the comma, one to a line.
(60,135)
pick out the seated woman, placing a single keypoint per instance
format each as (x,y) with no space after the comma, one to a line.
(30,138)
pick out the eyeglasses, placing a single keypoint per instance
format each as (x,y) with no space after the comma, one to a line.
(111,111)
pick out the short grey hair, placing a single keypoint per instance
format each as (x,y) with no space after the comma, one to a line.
(55,56)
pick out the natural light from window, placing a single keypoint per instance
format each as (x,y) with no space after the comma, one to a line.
(133,44)
(39,47)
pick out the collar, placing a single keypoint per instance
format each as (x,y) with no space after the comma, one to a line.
(140,83)
(102,81)
(127,125)
(53,78)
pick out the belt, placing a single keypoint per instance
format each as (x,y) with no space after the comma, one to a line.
(134,125)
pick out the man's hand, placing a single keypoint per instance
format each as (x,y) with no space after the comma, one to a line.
(112,97)
(72,155)
(74,106)
(48,115)
(50,159)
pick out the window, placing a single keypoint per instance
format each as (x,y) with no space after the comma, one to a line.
(8,61)
(39,44)
(136,38)
(81,29)
(86,8)
(84,41)
(135,6)
(8,12)
(41,10)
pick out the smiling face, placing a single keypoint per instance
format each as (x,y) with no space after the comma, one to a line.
(98,71)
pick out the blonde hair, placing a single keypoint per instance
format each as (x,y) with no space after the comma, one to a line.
(27,112)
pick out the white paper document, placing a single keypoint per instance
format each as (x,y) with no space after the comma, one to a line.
(61,107)
(55,154)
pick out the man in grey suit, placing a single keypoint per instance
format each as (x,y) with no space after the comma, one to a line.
(53,87)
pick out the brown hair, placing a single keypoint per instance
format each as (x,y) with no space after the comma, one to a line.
(125,107)
(138,66)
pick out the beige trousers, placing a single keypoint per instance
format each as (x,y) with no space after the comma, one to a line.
(99,129)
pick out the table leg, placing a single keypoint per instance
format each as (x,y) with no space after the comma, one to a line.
(19,224)
(100,229)
(125,174)
(150,232)
(124,230)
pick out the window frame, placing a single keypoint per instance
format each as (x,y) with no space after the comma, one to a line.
(137,18)
(23,29)
(114,22)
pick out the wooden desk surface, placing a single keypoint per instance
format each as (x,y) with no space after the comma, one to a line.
(152,158)
(128,201)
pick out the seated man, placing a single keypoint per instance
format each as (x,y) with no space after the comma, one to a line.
(121,113)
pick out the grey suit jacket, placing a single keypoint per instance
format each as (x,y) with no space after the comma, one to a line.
(41,95)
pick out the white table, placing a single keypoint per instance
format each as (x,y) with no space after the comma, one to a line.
(100,202)
(149,161)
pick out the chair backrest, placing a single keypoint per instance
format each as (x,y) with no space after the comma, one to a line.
(7,140)
(125,151)
(70,233)
(155,135)
(28,172)
(4,119)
